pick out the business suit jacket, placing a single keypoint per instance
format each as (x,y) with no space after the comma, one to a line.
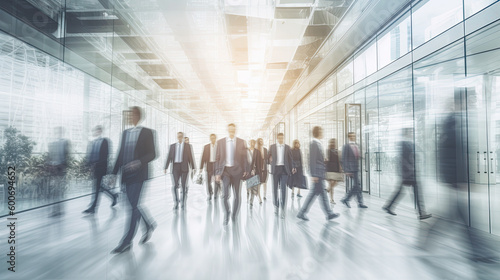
(101,165)
(407,162)
(240,156)
(205,157)
(350,163)
(187,157)
(145,151)
(273,152)
(316,160)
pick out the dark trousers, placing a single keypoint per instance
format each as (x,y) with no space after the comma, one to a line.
(355,188)
(396,196)
(133,195)
(210,176)
(97,190)
(318,190)
(231,177)
(177,175)
(279,182)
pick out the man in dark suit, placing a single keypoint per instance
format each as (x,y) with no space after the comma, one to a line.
(181,157)
(317,170)
(231,166)
(137,150)
(208,159)
(280,158)
(408,177)
(351,155)
(97,159)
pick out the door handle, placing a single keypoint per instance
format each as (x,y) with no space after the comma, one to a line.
(477,157)
(492,162)
(367,161)
(485,162)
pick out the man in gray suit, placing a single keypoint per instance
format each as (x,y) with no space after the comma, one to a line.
(280,158)
(231,166)
(318,170)
(351,155)
(408,176)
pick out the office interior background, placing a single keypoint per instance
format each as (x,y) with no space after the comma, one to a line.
(270,66)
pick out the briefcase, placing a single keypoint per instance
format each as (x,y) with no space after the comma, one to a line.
(253,181)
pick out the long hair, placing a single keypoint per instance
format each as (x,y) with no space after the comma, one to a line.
(296,141)
(332,144)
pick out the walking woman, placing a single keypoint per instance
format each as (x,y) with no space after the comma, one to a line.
(297,176)
(263,177)
(256,169)
(333,168)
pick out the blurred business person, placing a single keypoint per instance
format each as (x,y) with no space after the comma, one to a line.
(192,169)
(333,168)
(264,152)
(181,158)
(318,171)
(298,174)
(231,166)
(351,155)
(255,169)
(58,160)
(137,150)
(97,159)
(280,158)
(408,176)
(208,160)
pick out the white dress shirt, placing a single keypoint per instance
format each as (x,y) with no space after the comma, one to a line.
(230,149)
(213,149)
(179,148)
(280,153)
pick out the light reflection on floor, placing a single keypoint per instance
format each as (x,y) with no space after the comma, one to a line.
(361,244)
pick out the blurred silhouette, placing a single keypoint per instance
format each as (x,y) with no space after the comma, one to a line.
(280,156)
(318,171)
(182,159)
(58,159)
(231,166)
(351,155)
(333,168)
(97,159)
(408,176)
(192,169)
(136,151)
(208,160)
(297,180)
(256,169)
(263,178)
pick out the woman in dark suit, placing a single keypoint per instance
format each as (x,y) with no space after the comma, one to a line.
(263,177)
(333,168)
(296,179)
(256,169)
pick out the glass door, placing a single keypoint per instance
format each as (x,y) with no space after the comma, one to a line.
(372,159)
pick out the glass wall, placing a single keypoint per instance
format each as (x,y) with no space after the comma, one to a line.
(403,80)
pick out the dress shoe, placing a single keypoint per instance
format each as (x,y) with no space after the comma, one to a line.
(282,214)
(388,210)
(176,206)
(425,216)
(121,249)
(299,195)
(332,216)
(251,205)
(145,238)
(209,198)
(226,219)
(265,198)
(361,205)
(302,217)
(346,203)
(89,211)
(276,210)
(115,200)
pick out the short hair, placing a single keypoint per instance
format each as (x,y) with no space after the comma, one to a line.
(231,124)
(98,127)
(280,134)
(186,137)
(138,110)
(180,132)
(316,131)
(213,135)
(351,133)
(296,141)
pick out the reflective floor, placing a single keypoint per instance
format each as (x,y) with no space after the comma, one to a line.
(360,244)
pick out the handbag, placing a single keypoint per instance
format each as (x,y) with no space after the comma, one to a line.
(253,181)
(335,176)
(199,179)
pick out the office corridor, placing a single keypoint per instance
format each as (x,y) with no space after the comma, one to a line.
(193,244)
